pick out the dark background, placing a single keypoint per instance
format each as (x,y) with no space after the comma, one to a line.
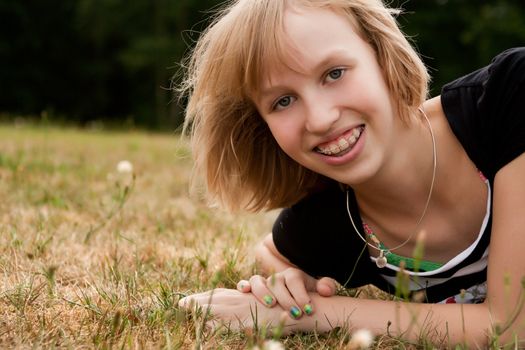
(112,61)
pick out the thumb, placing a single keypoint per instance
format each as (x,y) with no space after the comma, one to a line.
(326,287)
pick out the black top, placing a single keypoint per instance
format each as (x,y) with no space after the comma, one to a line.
(486,111)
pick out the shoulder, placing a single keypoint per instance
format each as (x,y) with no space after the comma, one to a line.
(506,66)
(514,55)
(478,90)
(509,65)
(486,110)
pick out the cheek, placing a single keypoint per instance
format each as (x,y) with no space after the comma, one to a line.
(286,136)
(370,90)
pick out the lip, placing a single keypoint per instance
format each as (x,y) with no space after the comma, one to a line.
(348,157)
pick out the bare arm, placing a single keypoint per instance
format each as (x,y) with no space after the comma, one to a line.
(442,324)
(500,317)
(270,261)
(268,258)
(286,284)
(506,269)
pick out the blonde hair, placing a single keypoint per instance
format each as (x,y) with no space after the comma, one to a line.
(234,150)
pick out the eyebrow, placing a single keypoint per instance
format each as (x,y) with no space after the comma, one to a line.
(332,56)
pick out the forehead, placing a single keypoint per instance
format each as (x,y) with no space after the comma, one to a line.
(307,37)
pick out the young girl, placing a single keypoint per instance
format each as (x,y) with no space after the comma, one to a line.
(319,106)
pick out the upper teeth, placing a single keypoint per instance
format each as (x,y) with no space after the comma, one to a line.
(342,143)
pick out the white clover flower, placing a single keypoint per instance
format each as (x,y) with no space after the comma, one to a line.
(273,345)
(361,339)
(124,167)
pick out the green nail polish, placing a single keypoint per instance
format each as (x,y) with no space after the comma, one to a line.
(307,308)
(268,299)
(295,312)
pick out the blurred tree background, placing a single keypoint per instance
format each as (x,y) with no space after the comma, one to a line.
(81,61)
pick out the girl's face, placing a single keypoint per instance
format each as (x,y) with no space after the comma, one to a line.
(328,106)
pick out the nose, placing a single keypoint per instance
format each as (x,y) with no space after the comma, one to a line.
(320,116)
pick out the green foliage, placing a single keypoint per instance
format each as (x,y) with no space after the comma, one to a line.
(84,60)
(456,37)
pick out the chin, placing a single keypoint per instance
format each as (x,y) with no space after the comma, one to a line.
(357,176)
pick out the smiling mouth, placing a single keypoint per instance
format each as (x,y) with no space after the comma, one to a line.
(342,145)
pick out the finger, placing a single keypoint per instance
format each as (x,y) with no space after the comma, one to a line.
(261,291)
(191,301)
(309,281)
(297,285)
(213,325)
(277,285)
(220,326)
(244,286)
(185,302)
(326,287)
(196,309)
(205,297)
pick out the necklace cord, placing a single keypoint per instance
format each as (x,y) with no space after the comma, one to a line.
(434,166)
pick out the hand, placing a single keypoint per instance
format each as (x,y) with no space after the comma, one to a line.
(236,310)
(289,288)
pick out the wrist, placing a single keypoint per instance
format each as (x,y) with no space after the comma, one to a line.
(328,314)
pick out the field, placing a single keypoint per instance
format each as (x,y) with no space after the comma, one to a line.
(91,257)
(94,257)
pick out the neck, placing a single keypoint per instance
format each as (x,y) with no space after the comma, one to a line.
(406,179)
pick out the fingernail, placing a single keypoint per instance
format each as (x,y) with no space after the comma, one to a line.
(268,300)
(307,308)
(295,312)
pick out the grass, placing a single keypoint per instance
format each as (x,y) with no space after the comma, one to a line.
(92,258)
(79,271)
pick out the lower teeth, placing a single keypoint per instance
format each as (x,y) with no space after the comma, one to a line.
(342,152)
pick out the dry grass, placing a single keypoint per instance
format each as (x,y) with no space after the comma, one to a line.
(79,272)
(118,286)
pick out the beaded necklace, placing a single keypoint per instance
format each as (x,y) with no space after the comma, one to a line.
(410,263)
(395,259)
(381,260)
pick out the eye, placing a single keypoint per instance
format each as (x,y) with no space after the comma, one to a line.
(335,74)
(283,102)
